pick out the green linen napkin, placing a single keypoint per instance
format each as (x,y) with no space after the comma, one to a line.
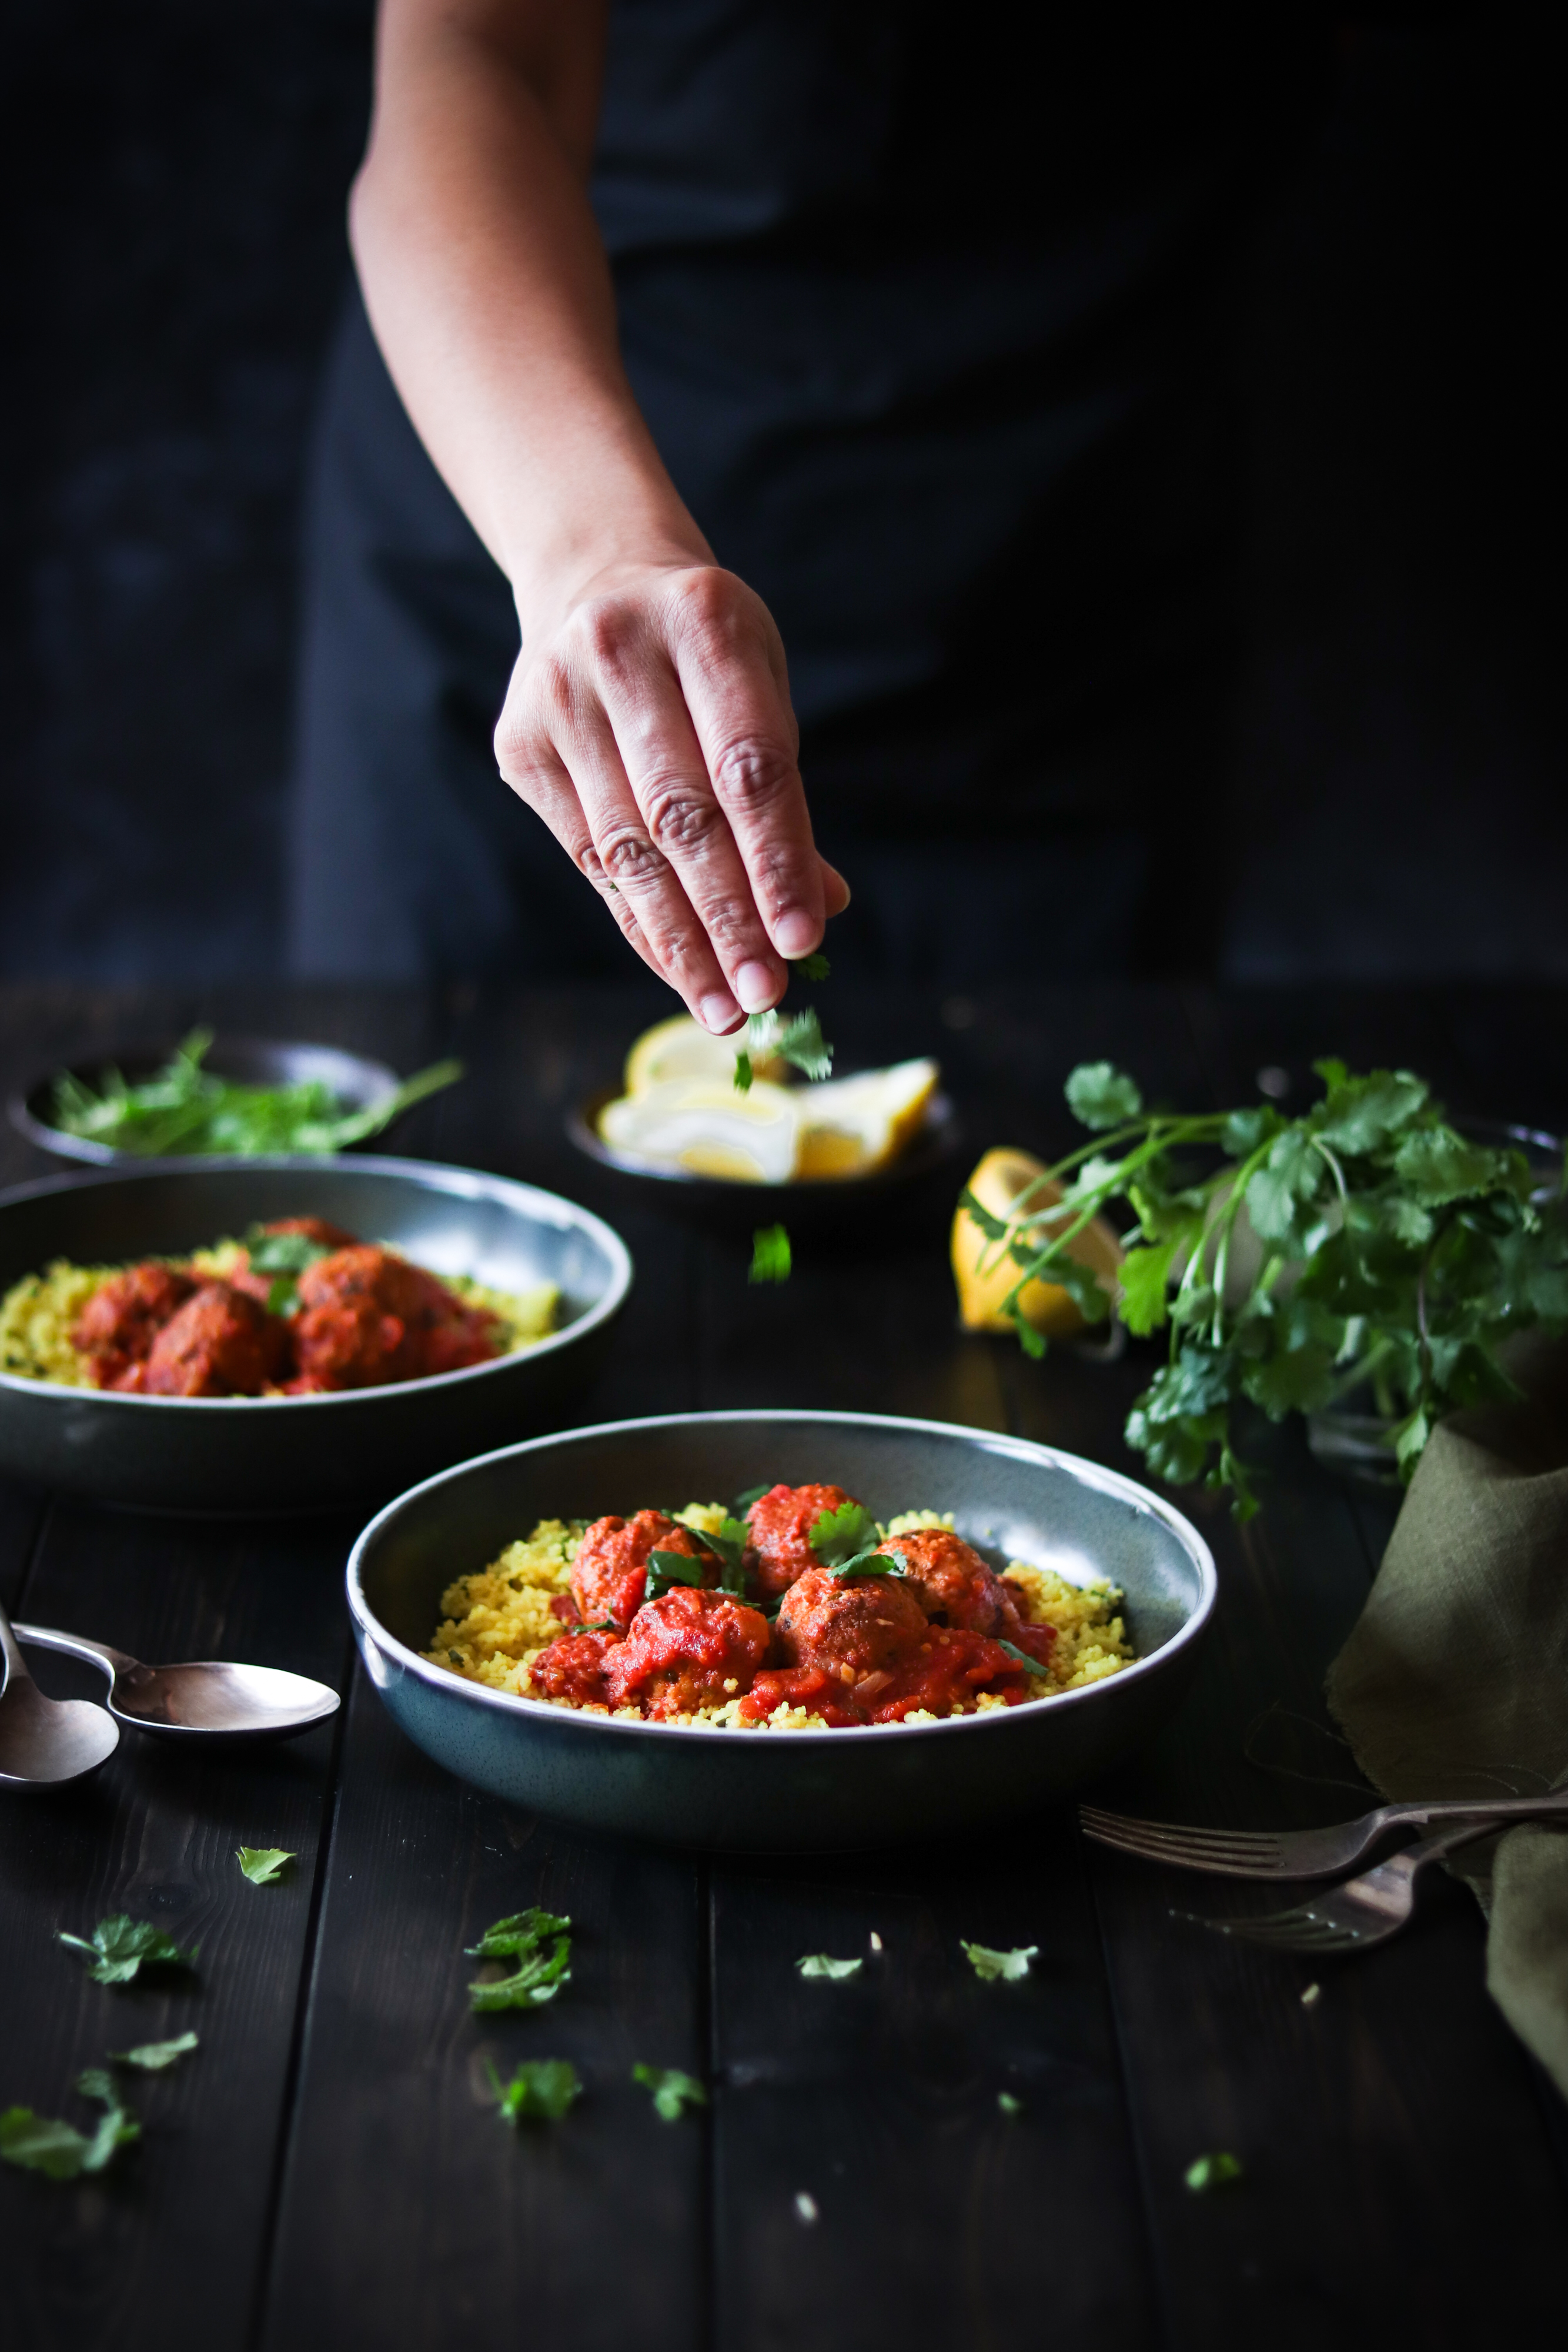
(1455,1680)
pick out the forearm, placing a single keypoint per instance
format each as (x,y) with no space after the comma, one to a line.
(488,289)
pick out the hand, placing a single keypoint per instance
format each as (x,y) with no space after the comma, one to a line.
(648,722)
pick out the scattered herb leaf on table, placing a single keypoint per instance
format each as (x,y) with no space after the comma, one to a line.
(1008,1967)
(263,1864)
(152,2057)
(539,1975)
(770,1255)
(819,1964)
(38,2144)
(539,2092)
(1212,2171)
(673,2091)
(120,1948)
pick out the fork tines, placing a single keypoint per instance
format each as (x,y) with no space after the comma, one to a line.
(1171,1841)
(1295,1931)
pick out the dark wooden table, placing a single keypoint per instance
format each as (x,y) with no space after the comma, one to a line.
(328,2170)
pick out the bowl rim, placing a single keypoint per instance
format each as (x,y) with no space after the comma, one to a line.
(369,1627)
(62,1145)
(474,1182)
(939,1133)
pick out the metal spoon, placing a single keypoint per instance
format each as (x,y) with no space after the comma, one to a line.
(45,1742)
(206,1700)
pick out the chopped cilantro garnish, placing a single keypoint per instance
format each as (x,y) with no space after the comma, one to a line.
(120,1947)
(57,2149)
(673,2091)
(1008,1967)
(838,1537)
(772,1259)
(539,1975)
(263,1864)
(1212,2171)
(1020,1657)
(667,1567)
(152,2057)
(728,1546)
(819,1964)
(1009,2105)
(814,967)
(743,1503)
(539,2092)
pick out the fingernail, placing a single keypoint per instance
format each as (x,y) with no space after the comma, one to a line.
(795,934)
(718,1013)
(756,987)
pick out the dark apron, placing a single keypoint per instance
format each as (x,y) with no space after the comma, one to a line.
(936,349)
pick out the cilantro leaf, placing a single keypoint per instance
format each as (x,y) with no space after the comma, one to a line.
(793,1037)
(874,1562)
(120,1948)
(1439,1166)
(282,1253)
(1359,1114)
(994,1228)
(815,966)
(667,1567)
(842,1534)
(770,1255)
(1009,2105)
(673,2091)
(1293,1173)
(1100,1096)
(1020,1657)
(263,1864)
(1144,1276)
(727,1545)
(57,2149)
(152,2057)
(540,2091)
(1007,1967)
(1212,2171)
(742,1071)
(743,1503)
(819,1964)
(539,1975)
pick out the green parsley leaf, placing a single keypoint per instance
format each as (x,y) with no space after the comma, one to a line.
(743,1073)
(673,2091)
(1439,1166)
(1359,1114)
(152,2057)
(770,1255)
(727,1545)
(793,1037)
(1021,1657)
(1008,1967)
(1100,1096)
(539,1975)
(120,1947)
(1009,2105)
(282,1253)
(667,1567)
(874,1562)
(994,1228)
(263,1864)
(1293,1174)
(819,1964)
(1145,1277)
(815,966)
(540,2091)
(1212,2171)
(842,1534)
(57,2149)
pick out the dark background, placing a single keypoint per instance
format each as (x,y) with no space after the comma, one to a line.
(174,183)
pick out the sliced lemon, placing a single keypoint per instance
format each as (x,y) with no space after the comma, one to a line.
(703,1126)
(850,1126)
(997,1183)
(683,1048)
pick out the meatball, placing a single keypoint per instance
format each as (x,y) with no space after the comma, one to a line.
(572,1668)
(949,1579)
(781,1523)
(610,1574)
(857,1624)
(119,1322)
(313,1229)
(688,1649)
(222,1342)
(367,1317)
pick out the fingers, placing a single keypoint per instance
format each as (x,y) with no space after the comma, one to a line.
(654,734)
(730,665)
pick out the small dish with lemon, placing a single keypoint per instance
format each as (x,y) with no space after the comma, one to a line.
(681,1120)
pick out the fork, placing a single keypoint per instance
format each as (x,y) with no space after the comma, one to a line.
(1296,1853)
(1363,1912)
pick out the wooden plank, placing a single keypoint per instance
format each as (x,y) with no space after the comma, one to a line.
(410,2213)
(183,2216)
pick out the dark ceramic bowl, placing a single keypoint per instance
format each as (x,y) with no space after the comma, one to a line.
(266,1454)
(922,1173)
(782,1790)
(249,1061)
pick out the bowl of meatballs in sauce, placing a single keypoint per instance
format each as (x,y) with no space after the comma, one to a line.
(288,1333)
(780,1630)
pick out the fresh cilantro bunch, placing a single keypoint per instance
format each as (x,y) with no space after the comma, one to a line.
(1367,1244)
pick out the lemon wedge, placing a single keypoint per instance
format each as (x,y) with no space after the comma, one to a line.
(997,1183)
(703,1126)
(683,1048)
(850,1126)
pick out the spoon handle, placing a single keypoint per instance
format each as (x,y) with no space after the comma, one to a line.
(77,1645)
